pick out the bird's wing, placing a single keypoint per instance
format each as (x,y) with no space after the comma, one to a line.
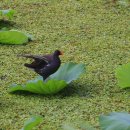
(38,63)
(37,58)
(49,58)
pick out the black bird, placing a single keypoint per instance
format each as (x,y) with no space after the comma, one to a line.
(45,65)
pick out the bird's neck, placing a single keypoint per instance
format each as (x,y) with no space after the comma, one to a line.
(56,59)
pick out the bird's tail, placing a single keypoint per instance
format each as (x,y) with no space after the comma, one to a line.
(26,55)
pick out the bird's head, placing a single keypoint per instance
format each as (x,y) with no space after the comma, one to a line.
(58,52)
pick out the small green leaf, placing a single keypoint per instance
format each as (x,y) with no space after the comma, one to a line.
(124,3)
(77,125)
(69,72)
(115,121)
(9,13)
(69,127)
(32,122)
(13,37)
(123,75)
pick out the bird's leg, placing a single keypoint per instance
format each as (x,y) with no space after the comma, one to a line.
(40,72)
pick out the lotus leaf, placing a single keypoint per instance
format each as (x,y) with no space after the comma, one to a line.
(32,122)
(115,121)
(55,83)
(9,13)
(13,37)
(69,72)
(123,75)
(40,87)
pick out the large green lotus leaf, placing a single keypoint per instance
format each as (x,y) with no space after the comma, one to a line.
(55,83)
(32,122)
(9,13)
(69,72)
(123,75)
(13,37)
(40,87)
(115,121)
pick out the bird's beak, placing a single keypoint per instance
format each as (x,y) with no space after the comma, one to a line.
(61,53)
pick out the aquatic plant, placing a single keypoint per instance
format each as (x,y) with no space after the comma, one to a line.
(32,122)
(55,82)
(14,37)
(115,121)
(7,13)
(123,75)
(112,121)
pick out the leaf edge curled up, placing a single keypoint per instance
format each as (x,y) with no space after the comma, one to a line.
(70,75)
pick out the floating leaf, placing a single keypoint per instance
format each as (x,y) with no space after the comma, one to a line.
(123,75)
(77,126)
(68,127)
(9,13)
(69,72)
(40,87)
(53,84)
(115,121)
(32,122)
(124,3)
(13,37)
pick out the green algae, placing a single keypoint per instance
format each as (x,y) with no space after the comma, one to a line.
(92,32)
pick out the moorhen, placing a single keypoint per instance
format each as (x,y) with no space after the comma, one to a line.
(45,65)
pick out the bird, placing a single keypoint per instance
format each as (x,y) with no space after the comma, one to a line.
(44,65)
